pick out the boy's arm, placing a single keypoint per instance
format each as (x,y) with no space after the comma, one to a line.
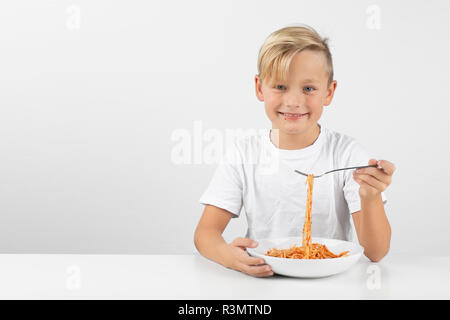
(372,228)
(208,234)
(210,243)
(371,223)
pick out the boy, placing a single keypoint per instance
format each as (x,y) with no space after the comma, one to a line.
(295,81)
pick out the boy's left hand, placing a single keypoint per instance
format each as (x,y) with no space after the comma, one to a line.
(373,181)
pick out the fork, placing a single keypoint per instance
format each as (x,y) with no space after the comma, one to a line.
(370,166)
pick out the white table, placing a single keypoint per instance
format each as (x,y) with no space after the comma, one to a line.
(66,276)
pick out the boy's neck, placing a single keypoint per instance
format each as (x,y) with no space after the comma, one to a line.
(285,141)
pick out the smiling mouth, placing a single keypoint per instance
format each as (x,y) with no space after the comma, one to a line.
(292,115)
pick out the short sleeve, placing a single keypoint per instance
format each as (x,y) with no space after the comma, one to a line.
(226,186)
(356,155)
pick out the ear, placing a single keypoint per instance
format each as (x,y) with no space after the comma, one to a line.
(258,88)
(330,93)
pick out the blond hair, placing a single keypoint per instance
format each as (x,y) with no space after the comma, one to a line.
(282,45)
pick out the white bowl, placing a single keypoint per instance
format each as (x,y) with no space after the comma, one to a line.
(308,268)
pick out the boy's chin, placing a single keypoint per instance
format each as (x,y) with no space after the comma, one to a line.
(293,129)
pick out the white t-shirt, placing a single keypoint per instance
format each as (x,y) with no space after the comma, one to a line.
(256,175)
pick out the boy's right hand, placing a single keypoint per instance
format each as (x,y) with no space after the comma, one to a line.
(238,259)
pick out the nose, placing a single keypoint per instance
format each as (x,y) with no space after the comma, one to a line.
(293,99)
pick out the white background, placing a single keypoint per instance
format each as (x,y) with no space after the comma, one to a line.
(92,91)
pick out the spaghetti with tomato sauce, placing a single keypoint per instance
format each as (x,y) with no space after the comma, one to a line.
(308,250)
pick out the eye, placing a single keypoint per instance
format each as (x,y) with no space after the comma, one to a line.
(309,89)
(280,87)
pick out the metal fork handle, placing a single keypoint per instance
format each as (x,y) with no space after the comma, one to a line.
(369,166)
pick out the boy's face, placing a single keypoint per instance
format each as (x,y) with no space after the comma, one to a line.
(296,106)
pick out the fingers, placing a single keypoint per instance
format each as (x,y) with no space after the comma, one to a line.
(383,173)
(370,180)
(388,167)
(252,261)
(244,243)
(373,175)
(384,166)
(257,271)
(377,173)
(247,264)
